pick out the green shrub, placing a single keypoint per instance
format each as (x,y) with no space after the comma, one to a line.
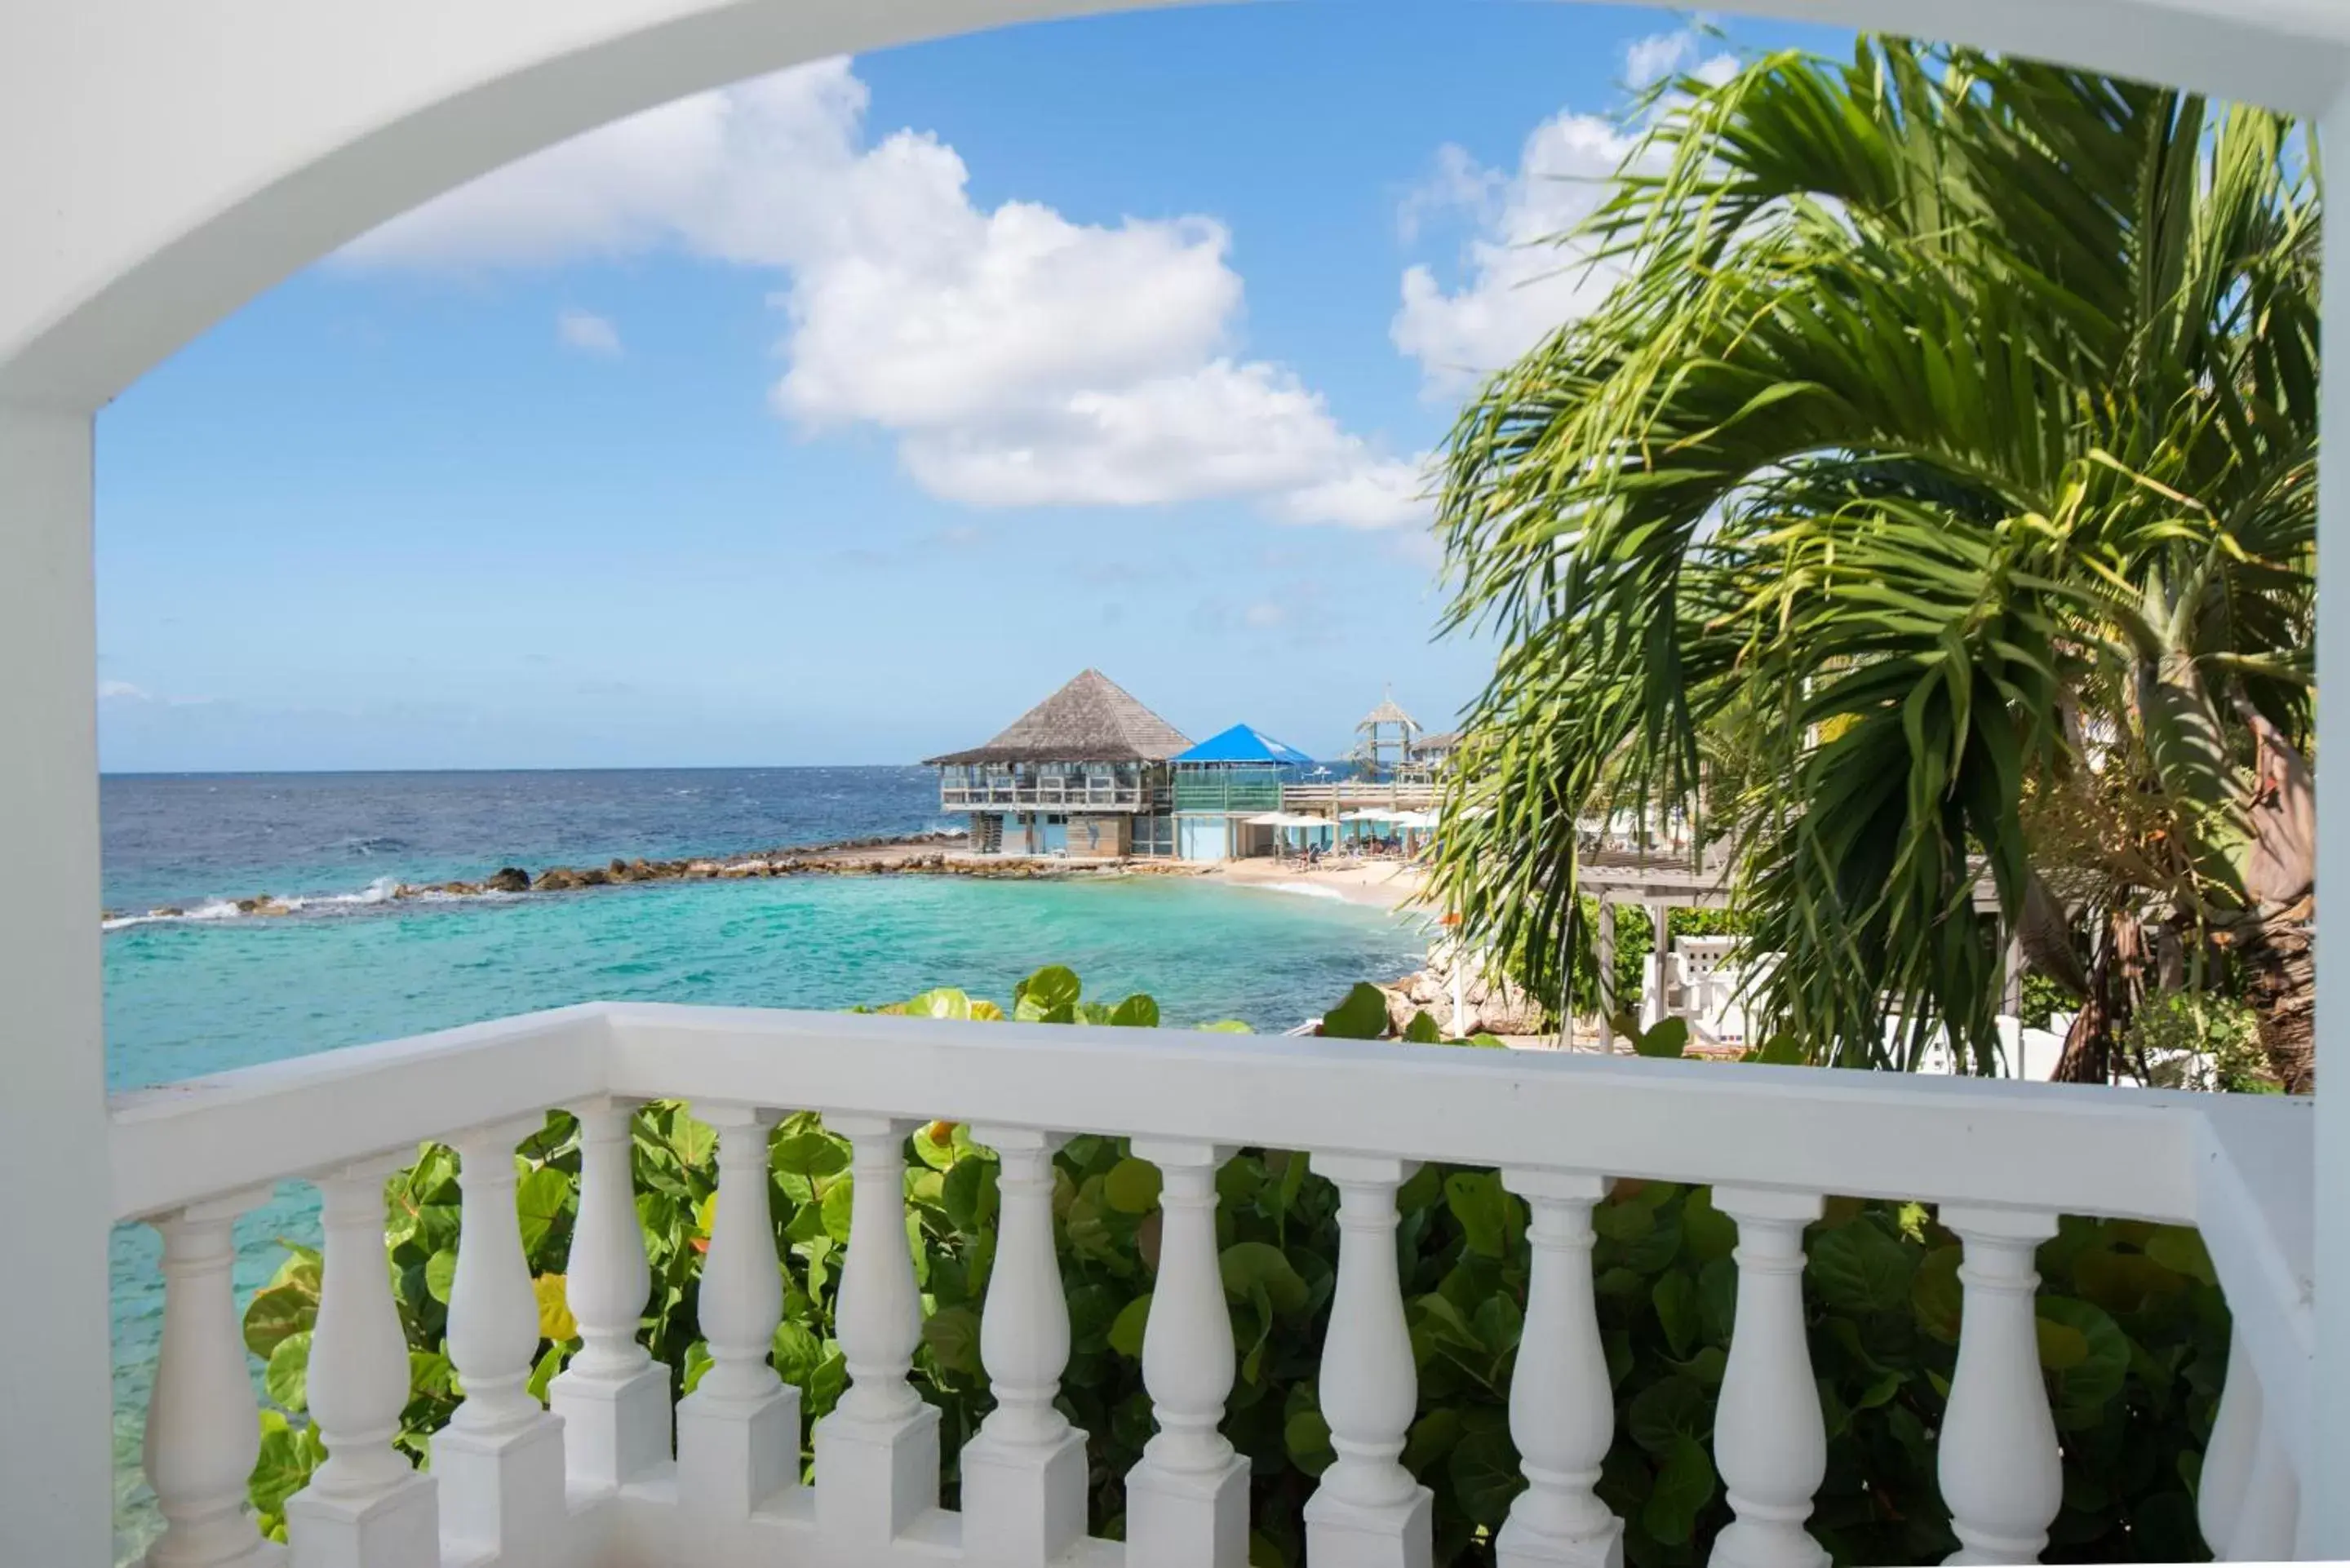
(2133,1329)
(2198,1040)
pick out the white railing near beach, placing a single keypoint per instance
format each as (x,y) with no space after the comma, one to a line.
(614,1477)
(1351,794)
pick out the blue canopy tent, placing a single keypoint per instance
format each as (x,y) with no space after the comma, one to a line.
(1222,782)
(1244,743)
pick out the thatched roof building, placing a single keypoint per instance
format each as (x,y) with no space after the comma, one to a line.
(1090,720)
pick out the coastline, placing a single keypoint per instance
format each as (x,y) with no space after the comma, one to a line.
(1393,885)
(1390,886)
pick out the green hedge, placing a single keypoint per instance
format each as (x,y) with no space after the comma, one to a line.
(2133,1330)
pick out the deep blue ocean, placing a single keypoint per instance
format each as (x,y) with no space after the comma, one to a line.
(211,989)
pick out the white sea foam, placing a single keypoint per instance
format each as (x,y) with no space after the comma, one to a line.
(382,890)
(1304,890)
(379,891)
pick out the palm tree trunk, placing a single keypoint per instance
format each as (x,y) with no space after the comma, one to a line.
(2117,984)
(2279,968)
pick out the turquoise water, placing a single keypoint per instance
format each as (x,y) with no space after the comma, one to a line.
(186,998)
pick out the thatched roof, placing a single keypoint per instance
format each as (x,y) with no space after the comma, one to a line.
(1090,720)
(1386,713)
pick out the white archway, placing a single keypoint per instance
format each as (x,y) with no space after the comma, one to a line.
(161,164)
(162,161)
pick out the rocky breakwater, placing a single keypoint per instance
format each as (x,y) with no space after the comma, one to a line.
(917,854)
(1490,1003)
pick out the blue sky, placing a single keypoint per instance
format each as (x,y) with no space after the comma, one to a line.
(838,417)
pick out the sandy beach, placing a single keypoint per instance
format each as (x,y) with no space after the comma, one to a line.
(1376,884)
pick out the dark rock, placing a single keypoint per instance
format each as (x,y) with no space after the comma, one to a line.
(508,879)
(556,879)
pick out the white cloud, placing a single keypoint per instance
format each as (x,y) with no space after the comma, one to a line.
(1019,359)
(588,333)
(122,691)
(1649,61)
(1518,283)
(1264,614)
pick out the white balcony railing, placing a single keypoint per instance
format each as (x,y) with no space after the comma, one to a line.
(601,1481)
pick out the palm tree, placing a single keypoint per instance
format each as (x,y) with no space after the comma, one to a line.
(1942,467)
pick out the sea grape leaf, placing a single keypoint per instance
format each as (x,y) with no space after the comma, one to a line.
(1091,1012)
(1707,1232)
(2062,1348)
(697,1362)
(1127,1329)
(1477,1200)
(969,1195)
(555,1319)
(1227,1026)
(839,1197)
(809,1154)
(303,1266)
(1054,989)
(544,1372)
(1935,1296)
(1684,1485)
(441,1274)
(797,1350)
(1306,1436)
(276,1313)
(1137,1012)
(2181,1249)
(1622,1222)
(539,1201)
(1484,1469)
(287,1378)
(1431,1437)
(1675,1295)
(431,1374)
(2087,1385)
(1422,1030)
(1668,1038)
(1132,1186)
(696,1140)
(944,1002)
(1259,1265)
(1856,1267)
(288,1455)
(1666,1411)
(952,1335)
(1363,1015)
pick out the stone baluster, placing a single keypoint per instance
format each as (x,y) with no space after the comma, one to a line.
(1367,1511)
(1562,1406)
(1023,1476)
(203,1430)
(877,1455)
(2228,1456)
(738,1433)
(613,1399)
(500,1459)
(1187,1499)
(367,1506)
(2002,1474)
(1770,1441)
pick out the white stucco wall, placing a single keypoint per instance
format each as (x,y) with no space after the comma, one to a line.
(162,161)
